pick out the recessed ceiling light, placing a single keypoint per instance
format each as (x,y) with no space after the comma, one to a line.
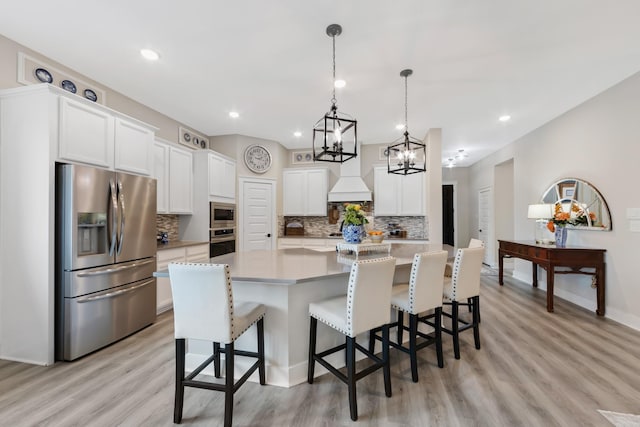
(297,134)
(234,114)
(400,126)
(339,83)
(504,118)
(149,54)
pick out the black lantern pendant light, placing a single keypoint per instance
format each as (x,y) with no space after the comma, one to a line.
(335,135)
(409,155)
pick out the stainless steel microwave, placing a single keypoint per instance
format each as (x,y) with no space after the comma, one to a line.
(223,215)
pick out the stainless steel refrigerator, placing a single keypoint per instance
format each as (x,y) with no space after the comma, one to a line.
(105,257)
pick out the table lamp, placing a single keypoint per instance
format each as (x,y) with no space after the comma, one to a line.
(542,213)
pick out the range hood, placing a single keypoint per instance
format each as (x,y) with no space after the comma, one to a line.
(350,186)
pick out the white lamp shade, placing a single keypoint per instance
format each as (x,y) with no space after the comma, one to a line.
(541,211)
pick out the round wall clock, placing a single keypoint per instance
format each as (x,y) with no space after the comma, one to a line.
(257,158)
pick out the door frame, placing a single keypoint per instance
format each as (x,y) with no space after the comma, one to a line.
(242,181)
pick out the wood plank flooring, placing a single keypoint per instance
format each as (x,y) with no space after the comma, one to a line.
(534,369)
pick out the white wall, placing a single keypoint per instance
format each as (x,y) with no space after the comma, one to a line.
(597,142)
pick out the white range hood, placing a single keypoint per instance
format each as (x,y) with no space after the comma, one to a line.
(350,186)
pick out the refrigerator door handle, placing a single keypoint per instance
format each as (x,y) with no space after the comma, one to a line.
(114,214)
(113,294)
(122,216)
(114,270)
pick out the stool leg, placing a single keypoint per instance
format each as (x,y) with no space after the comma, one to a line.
(313,327)
(413,337)
(476,321)
(387,360)
(216,359)
(469,303)
(179,395)
(400,329)
(372,339)
(438,335)
(454,329)
(351,372)
(228,385)
(261,373)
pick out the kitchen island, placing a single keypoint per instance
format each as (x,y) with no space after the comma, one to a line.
(286,281)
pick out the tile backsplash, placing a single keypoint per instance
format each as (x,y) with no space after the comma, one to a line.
(170,224)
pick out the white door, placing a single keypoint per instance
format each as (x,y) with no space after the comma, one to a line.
(484,230)
(257,228)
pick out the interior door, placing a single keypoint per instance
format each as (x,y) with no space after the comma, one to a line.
(447,215)
(257,215)
(484,224)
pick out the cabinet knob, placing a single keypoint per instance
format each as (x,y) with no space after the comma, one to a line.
(268,234)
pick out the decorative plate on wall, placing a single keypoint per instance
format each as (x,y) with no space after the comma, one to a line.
(68,85)
(257,158)
(90,95)
(298,157)
(43,75)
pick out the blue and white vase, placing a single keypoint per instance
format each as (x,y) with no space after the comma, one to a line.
(352,233)
(561,236)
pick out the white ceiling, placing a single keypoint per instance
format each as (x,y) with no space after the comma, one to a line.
(473,61)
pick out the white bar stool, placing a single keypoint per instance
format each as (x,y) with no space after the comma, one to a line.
(422,293)
(366,306)
(203,309)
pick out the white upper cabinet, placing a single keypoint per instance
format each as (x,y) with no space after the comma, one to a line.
(86,134)
(222,178)
(398,195)
(133,147)
(180,181)
(305,192)
(97,136)
(173,171)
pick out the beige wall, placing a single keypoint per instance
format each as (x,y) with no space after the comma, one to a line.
(597,142)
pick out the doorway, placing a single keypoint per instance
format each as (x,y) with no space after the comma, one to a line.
(256,222)
(448,229)
(484,224)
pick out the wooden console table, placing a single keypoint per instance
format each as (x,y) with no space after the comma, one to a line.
(549,257)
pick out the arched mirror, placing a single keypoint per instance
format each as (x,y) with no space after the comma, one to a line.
(586,206)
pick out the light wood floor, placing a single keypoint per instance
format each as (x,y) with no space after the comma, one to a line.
(534,369)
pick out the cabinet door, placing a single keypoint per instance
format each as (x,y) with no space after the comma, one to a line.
(86,134)
(293,192)
(216,176)
(316,192)
(161,174)
(198,253)
(164,299)
(133,147)
(229,189)
(180,181)
(411,194)
(385,192)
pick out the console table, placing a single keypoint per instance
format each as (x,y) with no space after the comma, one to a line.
(549,257)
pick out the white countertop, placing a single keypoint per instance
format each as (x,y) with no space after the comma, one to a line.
(296,265)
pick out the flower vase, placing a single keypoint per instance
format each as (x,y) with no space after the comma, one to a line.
(561,236)
(352,233)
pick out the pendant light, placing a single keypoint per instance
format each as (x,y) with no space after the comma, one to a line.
(335,135)
(409,155)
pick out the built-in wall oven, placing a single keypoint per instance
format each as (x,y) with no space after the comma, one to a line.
(222,229)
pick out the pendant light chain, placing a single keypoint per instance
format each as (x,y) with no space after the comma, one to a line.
(406,121)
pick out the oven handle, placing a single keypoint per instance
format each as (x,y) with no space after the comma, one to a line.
(222,239)
(113,294)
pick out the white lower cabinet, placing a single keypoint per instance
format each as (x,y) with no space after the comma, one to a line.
(311,243)
(196,253)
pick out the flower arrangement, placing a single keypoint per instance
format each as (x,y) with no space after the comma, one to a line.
(353,215)
(577,215)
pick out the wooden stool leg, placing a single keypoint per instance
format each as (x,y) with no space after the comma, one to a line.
(454,329)
(228,386)
(476,321)
(413,337)
(387,360)
(312,349)
(372,339)
(261,368)
(438,336)
(351,372)
(179,395)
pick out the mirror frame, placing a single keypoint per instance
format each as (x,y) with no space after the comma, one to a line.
(564,196)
